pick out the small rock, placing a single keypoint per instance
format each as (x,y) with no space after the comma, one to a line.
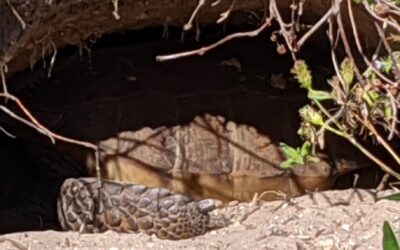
(327,244)
(345,227)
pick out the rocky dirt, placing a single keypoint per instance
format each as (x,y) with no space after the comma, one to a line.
(349,219)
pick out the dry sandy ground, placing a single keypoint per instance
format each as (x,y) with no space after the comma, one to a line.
(350,219)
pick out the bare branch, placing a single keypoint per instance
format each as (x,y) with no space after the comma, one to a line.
(315,27)
(204,50)
(33,122)
(7,133)
(225,15)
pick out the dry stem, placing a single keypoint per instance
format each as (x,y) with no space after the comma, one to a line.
(203,50)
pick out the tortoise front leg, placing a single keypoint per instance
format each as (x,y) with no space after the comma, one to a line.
(133,208)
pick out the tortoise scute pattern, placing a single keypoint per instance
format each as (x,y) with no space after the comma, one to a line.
(210,157)
(133,208)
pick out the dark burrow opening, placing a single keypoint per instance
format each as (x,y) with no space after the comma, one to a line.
(116,85)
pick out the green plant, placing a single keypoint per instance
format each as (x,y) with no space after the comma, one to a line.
(297,156)
(390,241)
(358,106)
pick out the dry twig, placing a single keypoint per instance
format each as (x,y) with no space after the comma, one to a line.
(13,242)
(203,50)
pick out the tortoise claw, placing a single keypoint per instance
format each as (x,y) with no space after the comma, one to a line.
(208,205)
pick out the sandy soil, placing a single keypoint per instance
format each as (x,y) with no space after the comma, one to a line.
(350,219)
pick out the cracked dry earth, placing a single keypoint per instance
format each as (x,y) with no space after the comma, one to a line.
(348,219)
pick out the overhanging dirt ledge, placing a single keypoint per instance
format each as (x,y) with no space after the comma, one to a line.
(34,28)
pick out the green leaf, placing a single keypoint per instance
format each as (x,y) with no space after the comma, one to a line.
(388,112)
(311,115)
(305,149)
(288,164)
(293,156)
(372,2)
(299,160)
(360,1)
(389,238)
(347,67)
(289,151)
(370,97)
(370,74)
(304,131)
(387,65)
(302,74)
(319,95)
(392,197)
(387,62)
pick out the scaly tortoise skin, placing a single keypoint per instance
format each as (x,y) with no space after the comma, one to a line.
(131,208)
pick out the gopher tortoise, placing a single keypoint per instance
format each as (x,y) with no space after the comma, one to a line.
(200,128)
(208,158)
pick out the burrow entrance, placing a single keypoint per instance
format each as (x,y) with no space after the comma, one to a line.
(115,84)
